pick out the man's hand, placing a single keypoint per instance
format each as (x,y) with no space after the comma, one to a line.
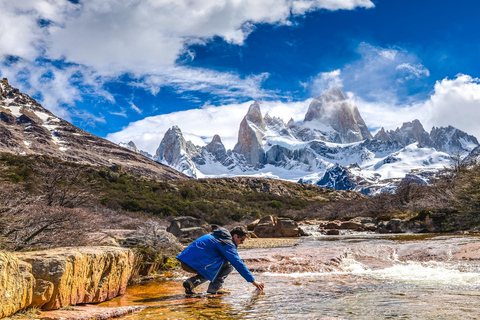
(259,285)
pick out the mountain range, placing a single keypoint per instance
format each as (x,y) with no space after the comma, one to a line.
(332,147)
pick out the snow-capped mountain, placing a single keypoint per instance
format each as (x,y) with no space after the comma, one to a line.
(332,147)
(28,128)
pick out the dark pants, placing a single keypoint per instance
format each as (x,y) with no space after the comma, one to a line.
(198,279)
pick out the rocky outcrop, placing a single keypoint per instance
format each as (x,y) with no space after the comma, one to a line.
(452,141)
(89,312)
(70,276)
(130,146)
(332,109)
(251,137)
(409,133)
(276,227)
(16,284)
(218,151)
(188,229)
(175,151)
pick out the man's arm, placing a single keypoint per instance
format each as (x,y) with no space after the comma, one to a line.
(231,254)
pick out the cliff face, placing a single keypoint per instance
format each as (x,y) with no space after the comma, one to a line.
(52,279)
(16,284)
(79,275)
(251,137)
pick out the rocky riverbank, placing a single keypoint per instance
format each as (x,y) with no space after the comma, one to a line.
(58,278)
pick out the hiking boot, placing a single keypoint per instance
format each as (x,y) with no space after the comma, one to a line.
(189,288)
(220,291)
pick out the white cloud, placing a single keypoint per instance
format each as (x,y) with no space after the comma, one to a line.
(413,71)
(381,74)
(135,108)
(199,125)
(59,87)
(222,84)
(144,38)
(138,35)
(325,80)
(454,102)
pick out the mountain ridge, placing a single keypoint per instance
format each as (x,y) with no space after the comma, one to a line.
(28,128)
(332,145)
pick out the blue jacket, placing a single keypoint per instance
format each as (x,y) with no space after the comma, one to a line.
(208,253)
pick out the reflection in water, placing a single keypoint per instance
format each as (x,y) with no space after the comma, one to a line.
(346,277)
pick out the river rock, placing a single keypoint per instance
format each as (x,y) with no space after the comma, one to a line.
(88,312)
(251,226)
(332,232)
(188,229)
(331,225)
(79,274)
(397,226)
(16,284)
(351,225)
(274,227)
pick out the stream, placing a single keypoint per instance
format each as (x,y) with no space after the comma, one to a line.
(356,276)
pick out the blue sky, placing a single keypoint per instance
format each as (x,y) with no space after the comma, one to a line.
(128,70)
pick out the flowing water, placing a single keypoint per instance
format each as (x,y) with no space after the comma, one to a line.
(338,277)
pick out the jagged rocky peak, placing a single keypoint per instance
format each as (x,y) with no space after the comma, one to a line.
(251,136)
(130,146)
(216,145)
(6,91)
(273,121)
(334,110)
(254,115)
(291,123)
(175,151)
(411,132)
(382,135)
(172,146)
(452,140)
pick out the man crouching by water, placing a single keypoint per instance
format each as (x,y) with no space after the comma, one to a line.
(211,257)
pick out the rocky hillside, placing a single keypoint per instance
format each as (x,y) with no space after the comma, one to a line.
(26,128)
(47,202)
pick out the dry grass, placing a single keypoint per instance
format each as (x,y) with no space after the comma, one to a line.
(253,243)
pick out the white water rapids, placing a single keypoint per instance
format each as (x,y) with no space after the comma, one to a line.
(337,277)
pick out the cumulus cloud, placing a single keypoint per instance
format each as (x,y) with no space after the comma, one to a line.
(454,102)
(199,125)
(138,35)
(144,38)
(381,74)
(325,80)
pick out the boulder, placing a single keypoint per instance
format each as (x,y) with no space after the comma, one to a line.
(332,225)
(188,229)
(397,226)
(251,226)
(351,225)
(273,227)
(78,274)
(332,232)
(16,284)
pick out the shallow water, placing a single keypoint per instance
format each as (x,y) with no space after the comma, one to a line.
(337,277)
